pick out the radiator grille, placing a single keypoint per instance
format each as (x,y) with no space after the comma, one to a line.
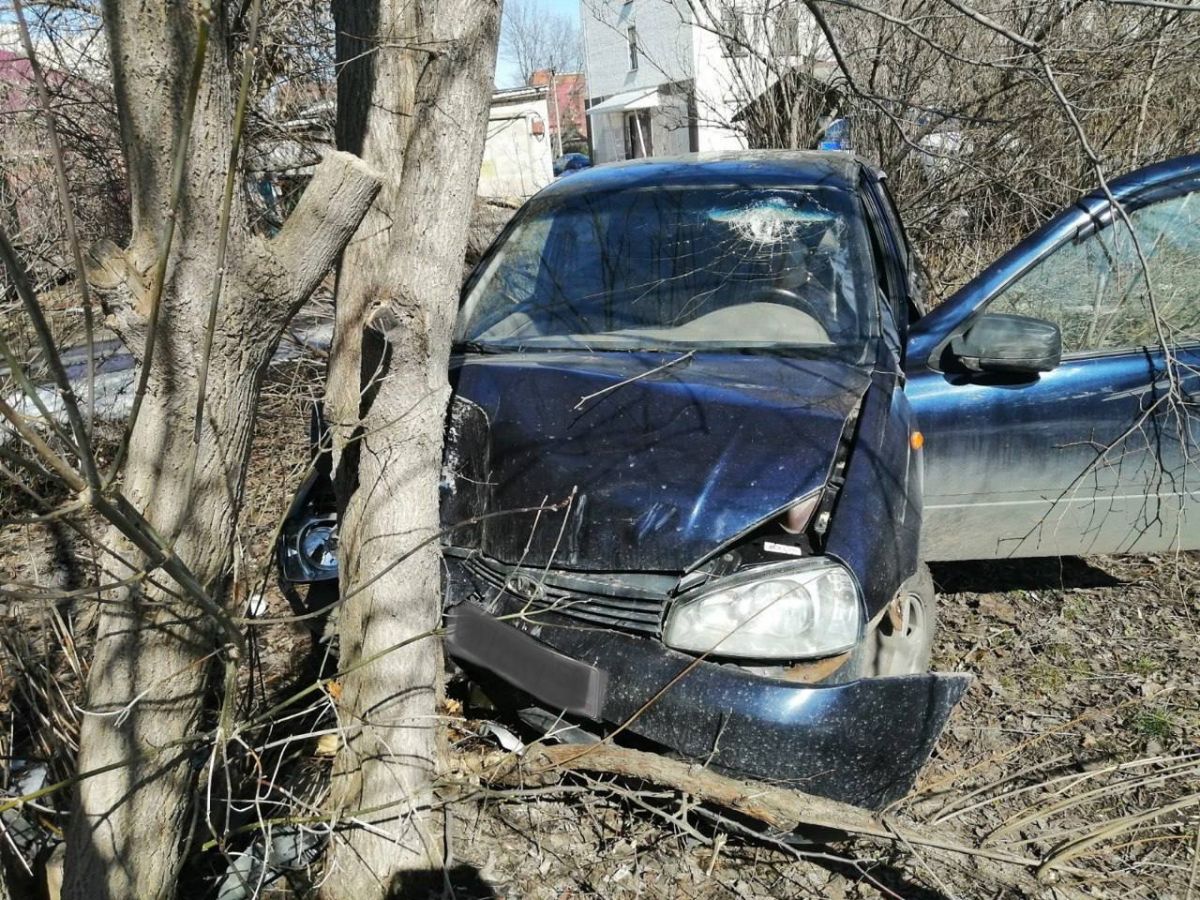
(638,610)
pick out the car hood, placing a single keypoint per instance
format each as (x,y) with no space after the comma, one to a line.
(650,461)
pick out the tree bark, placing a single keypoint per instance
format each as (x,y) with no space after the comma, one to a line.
(414,86)
(156,647)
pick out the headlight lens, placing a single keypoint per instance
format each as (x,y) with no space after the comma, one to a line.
(318,547)
(788,611)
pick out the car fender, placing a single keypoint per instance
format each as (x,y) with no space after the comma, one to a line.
(875,528)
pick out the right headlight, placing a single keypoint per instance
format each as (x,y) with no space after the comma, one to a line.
(787,611)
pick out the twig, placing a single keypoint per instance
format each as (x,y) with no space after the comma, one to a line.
(1080,846)
(64,199)
(779,808)
(638,377)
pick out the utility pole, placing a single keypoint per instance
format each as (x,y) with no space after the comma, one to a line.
(557,122)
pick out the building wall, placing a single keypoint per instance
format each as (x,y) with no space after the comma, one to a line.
(665,60)
(718,88)
(683,47)
(663,41)
(570,94)
(517,160)
(671,124)
(29,208)
(607,138)
(728,78)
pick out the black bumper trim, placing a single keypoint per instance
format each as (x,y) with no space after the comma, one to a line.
(558,681)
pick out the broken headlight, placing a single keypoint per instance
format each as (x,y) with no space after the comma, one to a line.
(310,553)
(786,611)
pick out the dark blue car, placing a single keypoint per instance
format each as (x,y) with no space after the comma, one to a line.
(704,438)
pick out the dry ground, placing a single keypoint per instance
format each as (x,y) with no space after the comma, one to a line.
(1083,722)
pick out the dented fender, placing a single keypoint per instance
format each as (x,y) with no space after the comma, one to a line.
(875,529)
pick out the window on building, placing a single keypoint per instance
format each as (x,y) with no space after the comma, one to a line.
(633,49)
(734,38)
(786,40)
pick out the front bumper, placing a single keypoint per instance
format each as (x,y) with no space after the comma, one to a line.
(861,742)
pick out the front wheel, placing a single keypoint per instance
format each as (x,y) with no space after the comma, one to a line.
(901,642)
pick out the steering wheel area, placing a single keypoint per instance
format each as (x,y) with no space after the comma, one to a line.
(786,297)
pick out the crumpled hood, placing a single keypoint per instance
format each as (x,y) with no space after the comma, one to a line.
(653,474)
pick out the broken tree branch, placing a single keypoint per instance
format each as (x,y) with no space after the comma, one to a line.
(778,808)
(341,190)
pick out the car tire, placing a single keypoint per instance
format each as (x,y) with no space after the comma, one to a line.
(891,651)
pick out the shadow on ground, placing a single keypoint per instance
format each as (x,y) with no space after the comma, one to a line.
(461,882)
(1002,575)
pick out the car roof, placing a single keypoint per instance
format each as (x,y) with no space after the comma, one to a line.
(757,167)
(808,167)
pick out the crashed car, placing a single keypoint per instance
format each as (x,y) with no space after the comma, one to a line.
(704,438)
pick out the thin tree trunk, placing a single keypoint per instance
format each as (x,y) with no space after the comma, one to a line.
(156,647)
(429,67)
(155,651)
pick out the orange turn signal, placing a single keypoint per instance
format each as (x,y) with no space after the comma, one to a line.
(916,440)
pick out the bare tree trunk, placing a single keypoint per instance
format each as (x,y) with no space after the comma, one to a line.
(156,647)
(428,66)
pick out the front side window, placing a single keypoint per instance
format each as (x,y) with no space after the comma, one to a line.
(1095,287)
(679,268)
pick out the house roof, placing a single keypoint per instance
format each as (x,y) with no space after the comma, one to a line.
(518,94)
(640,99)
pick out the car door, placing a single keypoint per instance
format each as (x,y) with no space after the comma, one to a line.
(1098,455)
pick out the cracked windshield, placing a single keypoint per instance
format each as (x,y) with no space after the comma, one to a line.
(679,268)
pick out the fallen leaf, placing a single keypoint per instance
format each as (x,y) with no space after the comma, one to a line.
(327,745)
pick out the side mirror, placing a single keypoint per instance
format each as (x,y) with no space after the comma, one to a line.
(1018,345)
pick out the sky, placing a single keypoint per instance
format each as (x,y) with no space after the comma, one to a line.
(506,72)
(564,7)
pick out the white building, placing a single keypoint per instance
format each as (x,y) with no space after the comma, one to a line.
(517,157)
(666,77)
